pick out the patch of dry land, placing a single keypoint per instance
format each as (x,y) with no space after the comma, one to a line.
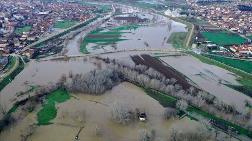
(93,113)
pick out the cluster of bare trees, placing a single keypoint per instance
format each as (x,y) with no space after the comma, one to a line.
(181,105)
(170,113)
(122,113)
(2,109)
(145,135)
(201,134)
(94,82)
(150,78)
(43,90)
(27,132)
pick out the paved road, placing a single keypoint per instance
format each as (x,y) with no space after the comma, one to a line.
(189,39)
(151,50)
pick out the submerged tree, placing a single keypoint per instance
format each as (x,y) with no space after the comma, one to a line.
(170,113)
(200,134)
(181,105)
(121,113)
(94,82)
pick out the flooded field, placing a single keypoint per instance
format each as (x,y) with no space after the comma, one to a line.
(210,78)
(42,73)
(153,35)
(97,111)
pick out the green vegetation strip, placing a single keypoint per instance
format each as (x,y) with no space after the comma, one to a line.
(240,129)
(6,80)
(224,38)
(177,39)
(246,66)
(163,99)
(250,37)
(64,24)
(245,78)
(236,63)
(11,63)
(100,38)
(49,111)
(23,29)
(166,101)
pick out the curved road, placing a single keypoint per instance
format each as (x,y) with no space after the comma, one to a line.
(11,69)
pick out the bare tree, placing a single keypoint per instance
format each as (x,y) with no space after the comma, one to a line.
(181,105)
(2,109)
(201,134)
(94,82)
(27,132)
(170,113)
(62,81)
(145,135)
(121,113)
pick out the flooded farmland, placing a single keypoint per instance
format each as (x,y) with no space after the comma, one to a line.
(209,78)
(142,37)
(121,78)
(97,110)
(152,32)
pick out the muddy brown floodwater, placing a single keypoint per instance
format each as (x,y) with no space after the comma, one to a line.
(152,35)
(42,73)
(208,78)
(97,111)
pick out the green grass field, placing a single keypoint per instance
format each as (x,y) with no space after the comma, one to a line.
(236,63)
(177,39)
(49,111)
(224,38)
(250,37)
(23,29)
(163,99)
(64,24)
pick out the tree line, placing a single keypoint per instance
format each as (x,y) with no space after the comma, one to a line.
(150,78)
